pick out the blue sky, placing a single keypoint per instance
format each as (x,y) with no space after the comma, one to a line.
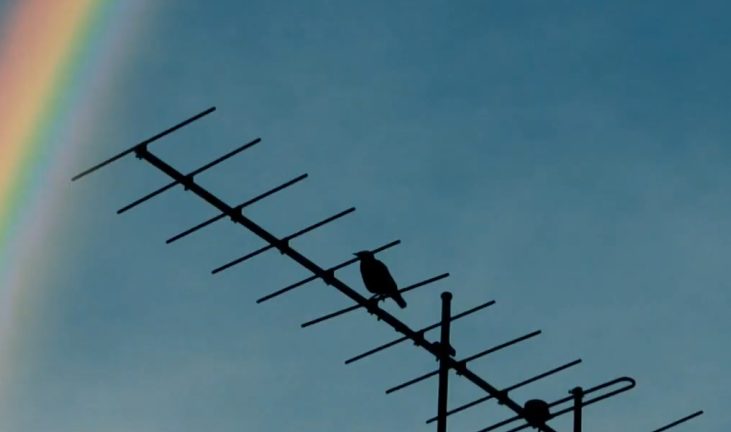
(567,160)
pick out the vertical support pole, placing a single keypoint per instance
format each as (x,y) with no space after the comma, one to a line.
(444,352)
(578,394)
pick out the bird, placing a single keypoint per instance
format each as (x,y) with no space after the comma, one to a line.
(537,412)
(377,279)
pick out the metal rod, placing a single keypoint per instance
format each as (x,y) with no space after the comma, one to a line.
(239,207)
(190,175)
(422,330)
(143,143)
(146,197)
(578,394)
(501,346)
(443,365)
(357,306)
(677,422)
(329,278)
(228,155)
(284,240)
(508,389)
(465,360)
(328,271)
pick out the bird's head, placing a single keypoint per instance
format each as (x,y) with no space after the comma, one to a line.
(364,254)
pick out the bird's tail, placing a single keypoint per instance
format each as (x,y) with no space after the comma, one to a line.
(399,300)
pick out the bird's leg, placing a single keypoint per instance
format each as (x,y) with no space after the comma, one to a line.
(373,303)
(329,276)
(445,351)
(282,245)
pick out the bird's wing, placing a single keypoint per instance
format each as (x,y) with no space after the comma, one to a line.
(384,277)
(372,277)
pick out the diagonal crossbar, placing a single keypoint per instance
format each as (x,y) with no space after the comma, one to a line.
(330,270)
(239,207)
(421,330)
(191,174)
(284,240)
(355,307)
(144,143)
(510,388)
(679,421)
(465,360)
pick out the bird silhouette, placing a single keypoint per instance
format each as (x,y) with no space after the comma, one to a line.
(377,278)
(536,412)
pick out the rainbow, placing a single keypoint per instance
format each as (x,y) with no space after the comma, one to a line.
(55,57)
